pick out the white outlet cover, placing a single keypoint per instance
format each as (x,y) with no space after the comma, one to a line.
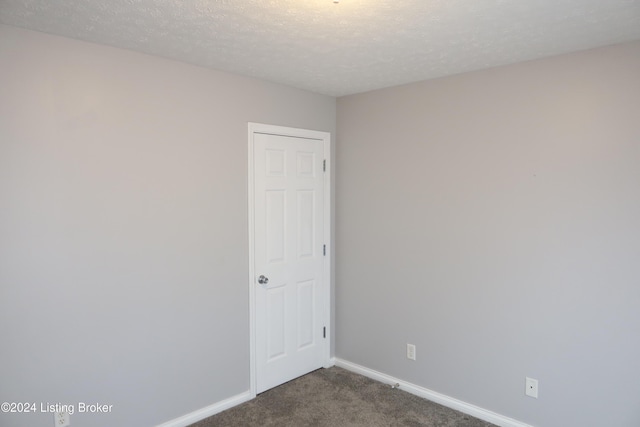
(411,351)
(61,419)
(531,387)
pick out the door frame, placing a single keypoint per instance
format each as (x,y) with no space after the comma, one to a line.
(325,137)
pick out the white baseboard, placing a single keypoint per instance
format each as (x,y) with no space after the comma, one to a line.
(208,411)
(450,402)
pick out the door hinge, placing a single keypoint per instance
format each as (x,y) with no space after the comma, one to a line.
(324,332)
(324,250)
(324,165)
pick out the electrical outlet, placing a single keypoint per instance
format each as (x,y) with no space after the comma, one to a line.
(531,387)
(411,351)
(61,419)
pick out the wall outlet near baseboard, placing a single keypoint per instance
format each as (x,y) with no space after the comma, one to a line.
(531,387)
(61,419)
(411,351)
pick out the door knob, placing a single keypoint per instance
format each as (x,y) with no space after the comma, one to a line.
(263,280)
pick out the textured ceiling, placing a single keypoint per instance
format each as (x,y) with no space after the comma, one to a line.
(337,49)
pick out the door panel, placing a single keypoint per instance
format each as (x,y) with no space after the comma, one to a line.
(288,240)
(306,309)
(306,223)
(275,238)
(275,322)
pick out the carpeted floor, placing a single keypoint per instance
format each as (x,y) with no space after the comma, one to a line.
(336,397)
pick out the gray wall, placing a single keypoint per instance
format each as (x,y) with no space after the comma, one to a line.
(123,227)
(493,219)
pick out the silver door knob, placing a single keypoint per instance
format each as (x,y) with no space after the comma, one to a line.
(263,280)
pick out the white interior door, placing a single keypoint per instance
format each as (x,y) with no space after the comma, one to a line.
(289,286)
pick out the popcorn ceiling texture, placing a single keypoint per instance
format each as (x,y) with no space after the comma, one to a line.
(337,49)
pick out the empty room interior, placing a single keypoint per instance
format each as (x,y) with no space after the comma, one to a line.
(475,225)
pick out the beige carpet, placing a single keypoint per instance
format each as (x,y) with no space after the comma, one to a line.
(335,398)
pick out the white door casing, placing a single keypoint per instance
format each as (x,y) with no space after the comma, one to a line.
(289,231)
